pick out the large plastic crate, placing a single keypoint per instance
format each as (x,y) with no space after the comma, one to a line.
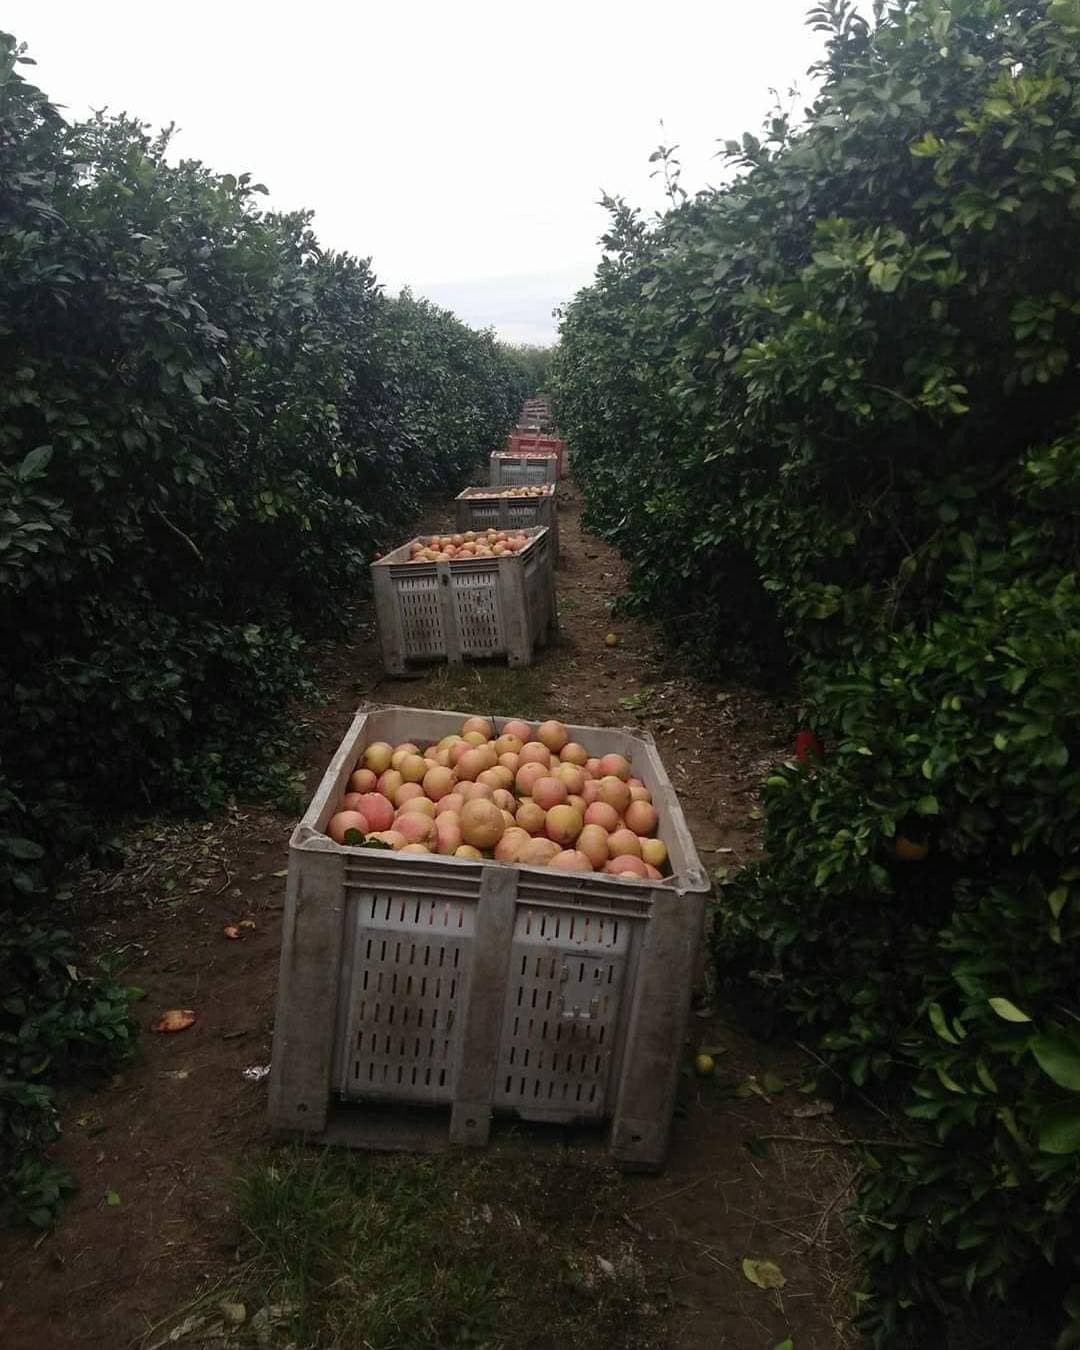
(411,981)
(465,607)
(487,508)
(532,440)
(511,469)
(521,442)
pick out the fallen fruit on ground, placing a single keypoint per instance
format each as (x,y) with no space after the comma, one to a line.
(176,1019)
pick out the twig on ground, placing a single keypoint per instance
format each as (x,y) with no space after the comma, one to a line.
(788,1232)
(659,1199)
(827,1211)
(840,1141)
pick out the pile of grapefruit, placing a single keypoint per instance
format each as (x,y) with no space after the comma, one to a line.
(468,544)
(520,795)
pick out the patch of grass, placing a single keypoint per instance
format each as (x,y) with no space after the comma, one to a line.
(509,1250)
(638,702)
(488,690)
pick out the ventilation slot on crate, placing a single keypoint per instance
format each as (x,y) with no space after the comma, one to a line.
(402,1023)
(476,602)
(421,620)
(558,1034)
(561,1015)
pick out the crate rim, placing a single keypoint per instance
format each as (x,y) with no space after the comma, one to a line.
(524,454)
(478,493)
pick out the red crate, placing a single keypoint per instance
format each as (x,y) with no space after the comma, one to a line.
(529,444)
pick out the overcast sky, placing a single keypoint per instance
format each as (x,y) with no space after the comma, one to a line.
(462,146)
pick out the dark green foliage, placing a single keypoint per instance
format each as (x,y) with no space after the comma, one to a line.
(58,1023)
(534,364)
(838,398)
(208,427)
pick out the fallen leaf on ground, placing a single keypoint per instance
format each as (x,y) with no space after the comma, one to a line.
(812,1109)
(765,1274)
(246,923)
(112,1197)
(235,1314)
(176,1019)
(231,931)
(284,872)
(195,1322)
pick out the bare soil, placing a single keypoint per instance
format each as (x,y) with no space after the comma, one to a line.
(169,1133)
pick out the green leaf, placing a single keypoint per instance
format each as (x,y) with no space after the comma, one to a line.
(112,1197)
(1059,1129)
(984,1076)
(1056,900)
(926,146)
(1066,13)
(772,1083)
(765,1274)
(1058,1056)
(928,806)
(24,849)
(949,1083)
(35,463)
(1005,1115)
(937,1021)
(1008,1010)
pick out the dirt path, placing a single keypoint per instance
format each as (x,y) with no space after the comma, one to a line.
(167,1134)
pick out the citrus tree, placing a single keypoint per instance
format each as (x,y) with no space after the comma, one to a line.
(829,413)
(208,427)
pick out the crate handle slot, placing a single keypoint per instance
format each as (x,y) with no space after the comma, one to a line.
(569,1009)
